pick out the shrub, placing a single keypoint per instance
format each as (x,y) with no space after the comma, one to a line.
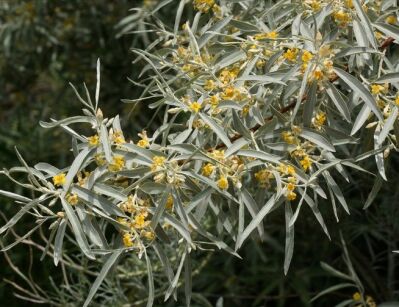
(266,104)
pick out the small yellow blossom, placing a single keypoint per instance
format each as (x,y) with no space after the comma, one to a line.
(291,196)
(117,164)
(118,138)
(203,5)
(263,177)
(195,107)
(217,154)
(140,222)
(377,89)
(260,64)
(210,85)
(306,163)
(72,199)
(208,169)
(290,187)
(291,54)
(318,74)
(349,3)
(223,183)
(157,161)
(93,140)
(100,160)
(306,56)
(397,100)
(214,101)
(149,235)
(342,17)
(391,19)
(59,179)
(271,35)
(169,203)
(357,296)
(127,240)
(144,142)
(288,137)
(319,119)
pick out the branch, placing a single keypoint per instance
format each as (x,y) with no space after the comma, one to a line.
(385,44)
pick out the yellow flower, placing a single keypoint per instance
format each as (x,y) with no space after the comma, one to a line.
(169,203)
(207,170)
(288,137)
(291,196)
(127,240)
(217,154)
(157,161)
(357,296)
(93,140)
(100,160)
(59,179)
(397,100)
(118,138)
(271,35)
(291,54)
(140,222)
(391,19)
(209,85)
(263,177)
(306,163)
(118,162)
(149,235)
(315,5)
(203,5)
(223,183)
(349,4)
(306,56)
(144,142)
(260,64)
(290,186)
(214,101)
(377,89)
(72,199)
(319,119)
(195,107)
(318,74)
(342,17)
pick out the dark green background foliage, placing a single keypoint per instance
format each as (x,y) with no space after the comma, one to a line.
(45,45)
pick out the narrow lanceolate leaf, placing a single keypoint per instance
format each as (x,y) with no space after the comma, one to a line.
(213,31)
(59,239)
(388,78)
(76,166)
(253,208)
(19,214)
(388,125)
(338,101)
(376,188)
(101,276)
(68,121)
(231,58)
(14,196)
(359,88)
(217,129)
(361,118)
(289,237)
(259,155)
(365,23)
(98,201)
(105,143)
(317,139)
(98,83)
(151,288)
(77,228)
(389,30)
(273,201)
(379,157)
(354,50)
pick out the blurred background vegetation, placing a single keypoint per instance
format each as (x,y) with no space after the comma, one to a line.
(44,45)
